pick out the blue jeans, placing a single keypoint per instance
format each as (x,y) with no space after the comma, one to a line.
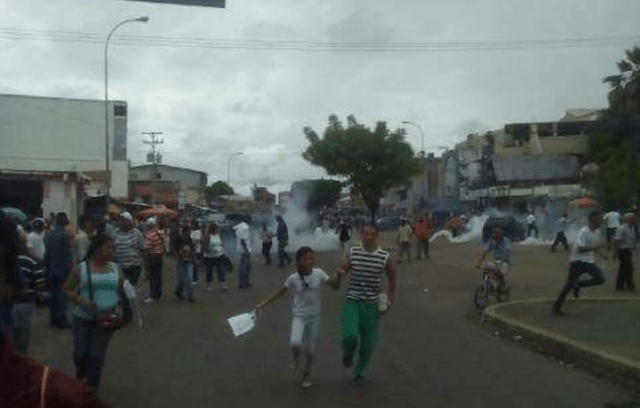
(58,304)
(185,279)
(90,343)
(283,257)
(244,270)
(576,270)
(21,314)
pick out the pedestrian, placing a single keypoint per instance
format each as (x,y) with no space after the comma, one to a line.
(499,247)
(213,256)
(35,240)
(83,238)
(403,240)
(531,225)
(282,233)
(24,381)
(583,261)
(196,237)
(305,285)
(244,249)
(422,231)
(155,242)
(267,243)
(344,233)
(561,237)
(184,253)
(366,263)
(611,224)
(93,287)
(58,260)
(625,242)
(130,249)
(30,278)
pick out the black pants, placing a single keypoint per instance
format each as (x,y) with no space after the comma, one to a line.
(560,239)
(577,269)
(219,264)
(155,276)
(531,228)
(133,274)
(423,246)
(625,272)
(283,257)
(266,252)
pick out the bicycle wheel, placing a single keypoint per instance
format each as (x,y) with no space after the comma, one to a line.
(481,297)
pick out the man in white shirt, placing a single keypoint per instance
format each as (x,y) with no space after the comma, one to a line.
(625,242)
(197,232)
(531,225)
(83,240)
(561,238)
(244,249)
(35,240)
(583,261)
(611,223)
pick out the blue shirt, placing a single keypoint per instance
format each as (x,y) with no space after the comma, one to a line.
(500,251)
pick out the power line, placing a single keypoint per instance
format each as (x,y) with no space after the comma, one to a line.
(221,43)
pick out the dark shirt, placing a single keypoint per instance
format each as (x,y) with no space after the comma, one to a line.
(185,249)
(21,379)
(59,252)
(282,232)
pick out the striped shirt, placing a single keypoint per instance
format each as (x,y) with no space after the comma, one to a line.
(155,241)
(31,275)
(365,280)
(129,247)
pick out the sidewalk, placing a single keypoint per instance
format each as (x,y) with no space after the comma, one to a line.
(600,332)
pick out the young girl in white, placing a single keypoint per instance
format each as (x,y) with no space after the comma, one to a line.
(305,285)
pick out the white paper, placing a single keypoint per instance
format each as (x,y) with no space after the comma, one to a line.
(242,323)
(130,292)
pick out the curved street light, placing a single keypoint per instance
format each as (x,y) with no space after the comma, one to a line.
(229,167)
(406,122)
(143,19)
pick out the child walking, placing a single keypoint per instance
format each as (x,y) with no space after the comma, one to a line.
(305,285)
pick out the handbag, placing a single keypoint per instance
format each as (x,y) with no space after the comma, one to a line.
(110,320)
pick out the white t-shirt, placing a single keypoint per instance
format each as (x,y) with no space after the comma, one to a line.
(531,219)
(242,232)
(586,238)
(215,248)
(564,221)
(196,237)
(611,219)
(307,300)
(35,244)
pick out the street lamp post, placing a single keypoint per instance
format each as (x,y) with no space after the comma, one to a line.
(106,105)
(406,122)
(229,167)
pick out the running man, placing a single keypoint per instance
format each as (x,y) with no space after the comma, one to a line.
(561,237)
(583,261)
(366,263)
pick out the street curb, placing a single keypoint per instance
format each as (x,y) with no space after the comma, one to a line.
(565,347)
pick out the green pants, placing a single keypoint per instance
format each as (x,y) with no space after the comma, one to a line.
(359,319)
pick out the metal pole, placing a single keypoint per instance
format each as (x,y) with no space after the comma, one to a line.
(154,162)
(106,108)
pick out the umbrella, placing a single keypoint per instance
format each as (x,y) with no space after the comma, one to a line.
(17,215)
(584,202)
(159,210)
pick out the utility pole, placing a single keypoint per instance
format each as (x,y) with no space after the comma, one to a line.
(154,158)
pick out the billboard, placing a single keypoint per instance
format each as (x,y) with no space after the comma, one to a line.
(201,3)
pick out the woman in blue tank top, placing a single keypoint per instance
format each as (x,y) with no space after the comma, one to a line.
(90,340)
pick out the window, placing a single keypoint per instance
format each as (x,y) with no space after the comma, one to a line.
(120,110)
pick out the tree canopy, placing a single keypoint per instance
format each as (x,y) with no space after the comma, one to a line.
(219,188)
(316,195)
(372,160)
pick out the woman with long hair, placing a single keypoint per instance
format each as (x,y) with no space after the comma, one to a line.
(98,295)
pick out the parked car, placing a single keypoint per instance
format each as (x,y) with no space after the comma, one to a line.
(388,223)
(511,227)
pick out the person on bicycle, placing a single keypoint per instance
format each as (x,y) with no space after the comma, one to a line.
(499,247)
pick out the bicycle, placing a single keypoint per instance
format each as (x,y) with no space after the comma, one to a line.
(492,283)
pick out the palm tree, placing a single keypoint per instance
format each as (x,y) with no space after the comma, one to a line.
(624,97)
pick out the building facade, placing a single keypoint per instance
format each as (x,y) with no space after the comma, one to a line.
(171,186)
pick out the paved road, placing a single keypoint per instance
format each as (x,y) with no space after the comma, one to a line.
(430,353)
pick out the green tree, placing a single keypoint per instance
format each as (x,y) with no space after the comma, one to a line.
(372,160)
(219,188)
(624,97)
(316,196)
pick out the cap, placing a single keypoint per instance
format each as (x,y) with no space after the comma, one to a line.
(126,215)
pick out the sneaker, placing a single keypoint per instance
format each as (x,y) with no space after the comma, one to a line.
(576,292)
(557,311)
(306,381)
(148,300)
(178,295)
(347,361)
(195,283)
(224,287)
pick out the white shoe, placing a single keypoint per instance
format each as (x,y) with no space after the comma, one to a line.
(148,300)
(195,283)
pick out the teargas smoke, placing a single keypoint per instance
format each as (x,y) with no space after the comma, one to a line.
(305,230)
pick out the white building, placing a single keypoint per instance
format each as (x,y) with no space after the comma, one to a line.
(58,146)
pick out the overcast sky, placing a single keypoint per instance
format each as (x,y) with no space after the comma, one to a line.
(214,89)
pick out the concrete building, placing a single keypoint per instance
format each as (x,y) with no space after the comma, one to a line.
(171,186)
(55,148)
